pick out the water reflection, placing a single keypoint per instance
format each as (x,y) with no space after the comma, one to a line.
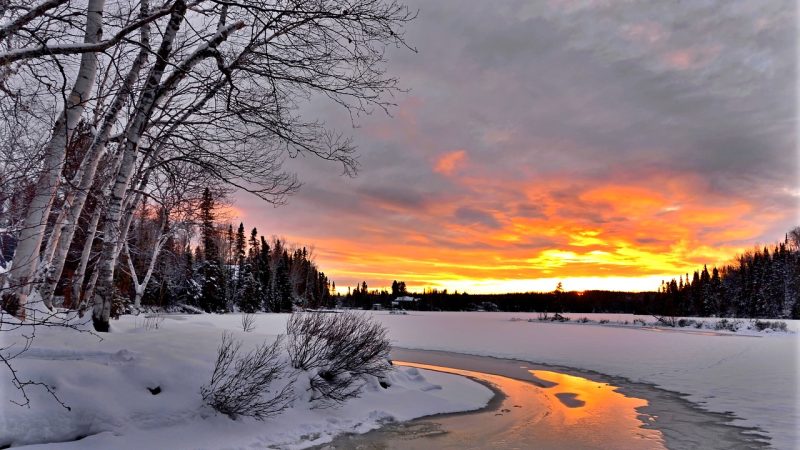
(571,412)
(540,407)
(585,400)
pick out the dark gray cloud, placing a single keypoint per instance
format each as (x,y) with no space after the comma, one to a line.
(466,215)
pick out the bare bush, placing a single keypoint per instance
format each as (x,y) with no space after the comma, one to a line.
(152,321)
(729,325)
(240,385)
(669,321)
(342,349)
(248,322)
(776,325)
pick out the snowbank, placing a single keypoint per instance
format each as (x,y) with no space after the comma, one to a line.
(106,383)
(754,376)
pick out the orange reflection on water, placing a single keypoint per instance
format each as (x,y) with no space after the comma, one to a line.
(579,399)
(552,410)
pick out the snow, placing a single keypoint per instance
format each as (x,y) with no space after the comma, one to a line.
(754,375)
(105,383)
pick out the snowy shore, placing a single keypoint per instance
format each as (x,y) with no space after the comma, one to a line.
(105,383)
(752,375)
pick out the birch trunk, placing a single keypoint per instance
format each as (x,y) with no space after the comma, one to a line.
(60,240)
(101,311)
(26,256)
(80,274)
(139,287)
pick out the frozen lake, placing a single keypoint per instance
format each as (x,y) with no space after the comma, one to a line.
(551,408)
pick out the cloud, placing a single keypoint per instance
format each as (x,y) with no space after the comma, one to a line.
(449,162)
(626,139)
(471,216)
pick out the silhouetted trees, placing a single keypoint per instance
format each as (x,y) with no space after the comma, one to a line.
(223,270)
(761,283)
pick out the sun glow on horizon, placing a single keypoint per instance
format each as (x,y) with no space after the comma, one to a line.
(494,286)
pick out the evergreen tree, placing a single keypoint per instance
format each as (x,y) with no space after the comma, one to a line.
(188,291)
(212,298)
(284,284)
(265,274)
(714,301)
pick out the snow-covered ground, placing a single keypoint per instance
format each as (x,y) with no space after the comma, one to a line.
(754,375)
(105,384)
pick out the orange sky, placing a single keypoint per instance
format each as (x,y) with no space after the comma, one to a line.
(528,236)
(608,145)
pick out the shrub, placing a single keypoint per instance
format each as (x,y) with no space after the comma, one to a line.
(669,321)
(583,320)
(729,325)
(340,350)
(240,384)
(248,322)
(777,325)
(604,321)
(152,321)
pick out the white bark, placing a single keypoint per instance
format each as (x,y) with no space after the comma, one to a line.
(139,287)
(20,54)
(8,29)
(101,311)
(80,274)
(26,256)
(62,235)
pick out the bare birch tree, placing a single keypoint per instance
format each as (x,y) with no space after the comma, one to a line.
(223,86)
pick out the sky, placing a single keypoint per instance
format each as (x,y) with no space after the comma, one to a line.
(603,144)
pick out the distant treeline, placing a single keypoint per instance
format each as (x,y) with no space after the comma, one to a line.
(582,302)
(759,284)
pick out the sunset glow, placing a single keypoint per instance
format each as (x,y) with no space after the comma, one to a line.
(542,154)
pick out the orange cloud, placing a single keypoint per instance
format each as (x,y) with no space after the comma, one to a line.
(450,161)
(690,58)
(496,234)
(626,235)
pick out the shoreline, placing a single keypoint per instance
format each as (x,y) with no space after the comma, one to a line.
(682,423)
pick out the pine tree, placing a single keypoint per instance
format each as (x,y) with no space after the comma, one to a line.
(264,274)
(239,246)
(236,265)
(188,291)
(395,289)
(705,302)
(284,283)
(212,298)
(714,302)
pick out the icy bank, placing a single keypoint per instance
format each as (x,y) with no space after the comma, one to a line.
(105,383)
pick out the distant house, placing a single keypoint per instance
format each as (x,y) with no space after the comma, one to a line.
(404,302)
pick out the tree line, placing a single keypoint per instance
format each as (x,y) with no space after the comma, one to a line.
(231,271)
(762,283)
